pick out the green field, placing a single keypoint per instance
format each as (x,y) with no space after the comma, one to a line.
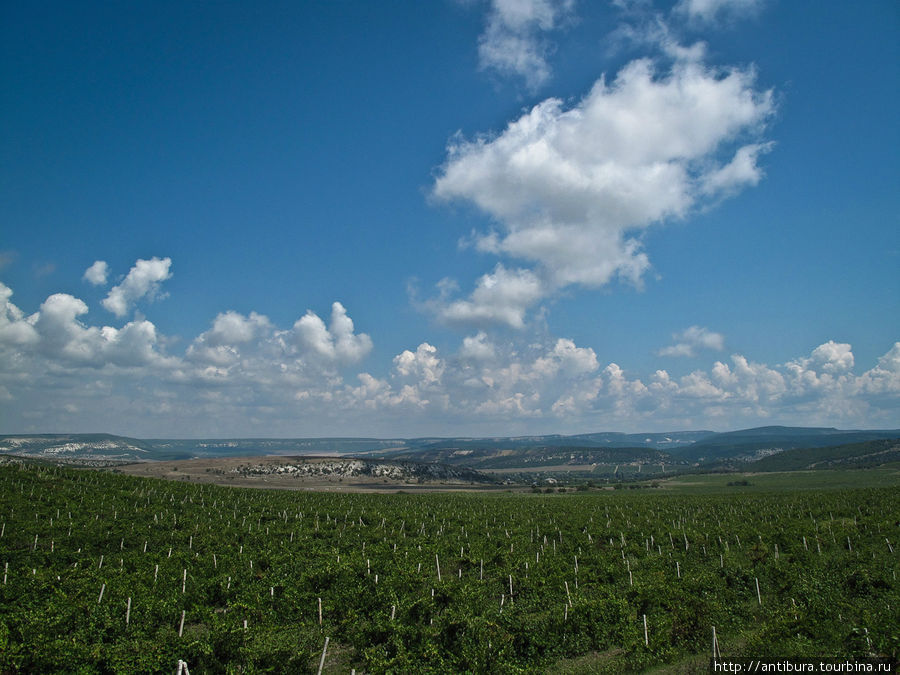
(442,582)
(886,476)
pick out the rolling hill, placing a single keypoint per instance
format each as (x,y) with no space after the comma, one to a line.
(750,444)
(866,455)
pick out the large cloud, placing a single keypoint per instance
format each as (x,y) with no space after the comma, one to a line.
(571,187)
(143,281)
(57,335)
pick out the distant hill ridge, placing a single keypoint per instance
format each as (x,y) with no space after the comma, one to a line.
(749,443)
(613,448)
(868,454)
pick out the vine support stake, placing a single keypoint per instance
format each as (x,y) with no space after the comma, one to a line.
(646,637)
(322,660)
(758,596)
(128,612)
(181,625)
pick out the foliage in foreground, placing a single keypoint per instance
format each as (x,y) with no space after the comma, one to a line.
(435,583)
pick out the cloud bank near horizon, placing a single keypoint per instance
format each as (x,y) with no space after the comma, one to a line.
(244,374)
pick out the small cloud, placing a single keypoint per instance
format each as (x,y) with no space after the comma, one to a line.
(713,11)
(143,280)
(43,269)
(501,297)
(96,274)
(7,258)
(477,348)
(337,343)
(689,341)
(512,42)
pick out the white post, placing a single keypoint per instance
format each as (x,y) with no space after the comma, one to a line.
(102,588)
(758,596)
(181,625)
(437,564)
(322,660)
(320,611)
(128,611)
(646,637)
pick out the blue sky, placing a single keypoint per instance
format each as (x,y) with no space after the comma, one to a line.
(535,216)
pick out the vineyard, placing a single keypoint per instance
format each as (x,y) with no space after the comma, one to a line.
(112,573)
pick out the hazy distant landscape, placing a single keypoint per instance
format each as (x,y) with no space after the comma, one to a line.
(601,458)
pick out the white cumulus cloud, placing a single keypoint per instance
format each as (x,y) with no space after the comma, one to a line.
(571,187)
(513,42)
(711,11)
(335,344)
(96,274)
(57,335)
(15,329)
(423,364)
(477,347)
(692,339)
(501,297)
(143,281)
